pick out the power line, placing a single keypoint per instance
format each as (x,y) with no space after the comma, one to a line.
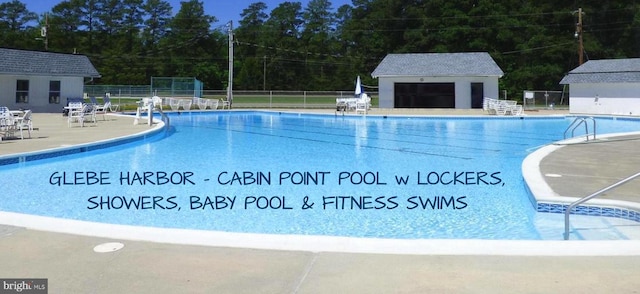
(536,48)
(289,50)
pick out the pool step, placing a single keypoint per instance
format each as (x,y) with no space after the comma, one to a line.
(551,225)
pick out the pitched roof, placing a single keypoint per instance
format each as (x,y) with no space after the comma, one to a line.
(605,71)
(25,62)
(438,65)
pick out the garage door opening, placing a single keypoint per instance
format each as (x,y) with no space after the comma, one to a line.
(425,95)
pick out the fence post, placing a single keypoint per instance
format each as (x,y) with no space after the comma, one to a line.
(546,99)
(304,99)
(270,99)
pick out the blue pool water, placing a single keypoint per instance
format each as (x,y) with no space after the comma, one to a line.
(304,174)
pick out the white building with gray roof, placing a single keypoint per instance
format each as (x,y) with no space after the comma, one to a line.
(41,81)
(608,86)
(437,80)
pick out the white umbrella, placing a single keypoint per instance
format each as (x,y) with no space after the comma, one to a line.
(358,86)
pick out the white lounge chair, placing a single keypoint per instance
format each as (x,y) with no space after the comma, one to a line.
(94,101)
(186,104)
(500,108)
(157,102)
(489,105)
(516,110)
(202,103)
(174,104)
(101,109)
(512,107)
(112,107)
(213,103)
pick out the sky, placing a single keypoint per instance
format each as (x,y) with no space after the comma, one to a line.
(223,10)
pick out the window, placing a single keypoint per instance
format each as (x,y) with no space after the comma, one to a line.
(54,92)
(22,91)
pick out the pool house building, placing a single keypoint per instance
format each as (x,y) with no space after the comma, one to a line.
(607,86)
(437,80)
(41,81)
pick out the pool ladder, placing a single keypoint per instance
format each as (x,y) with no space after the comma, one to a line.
(587,198)
(165,118)
(577,123)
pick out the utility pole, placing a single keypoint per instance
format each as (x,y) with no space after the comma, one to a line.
(44,32)
(230,86)
(264,73)
(578,35)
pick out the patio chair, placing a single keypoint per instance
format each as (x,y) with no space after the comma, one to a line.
(90,113)
(341,105)
(65,110)
(76,112)
(7,123)
(225,103)
(361,106)
(367,100)
(351,105)
(24,122)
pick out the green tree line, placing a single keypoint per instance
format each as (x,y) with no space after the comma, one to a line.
(321,47)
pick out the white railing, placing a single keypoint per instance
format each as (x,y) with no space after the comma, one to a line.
(587,198)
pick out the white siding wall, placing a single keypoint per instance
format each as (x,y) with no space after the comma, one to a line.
(39,92)
(612,98)
(385,91)
(462,88)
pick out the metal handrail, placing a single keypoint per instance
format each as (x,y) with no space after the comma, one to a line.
(587,198)
(577,122)
(165,118)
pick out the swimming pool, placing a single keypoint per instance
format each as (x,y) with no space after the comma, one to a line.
(393,177)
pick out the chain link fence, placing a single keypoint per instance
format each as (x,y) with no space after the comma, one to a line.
(127,96)
(536,99)
(124,91)
(285,99)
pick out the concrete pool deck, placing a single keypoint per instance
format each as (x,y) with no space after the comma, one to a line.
(71,265)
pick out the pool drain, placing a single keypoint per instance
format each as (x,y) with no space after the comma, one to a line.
(108,247)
